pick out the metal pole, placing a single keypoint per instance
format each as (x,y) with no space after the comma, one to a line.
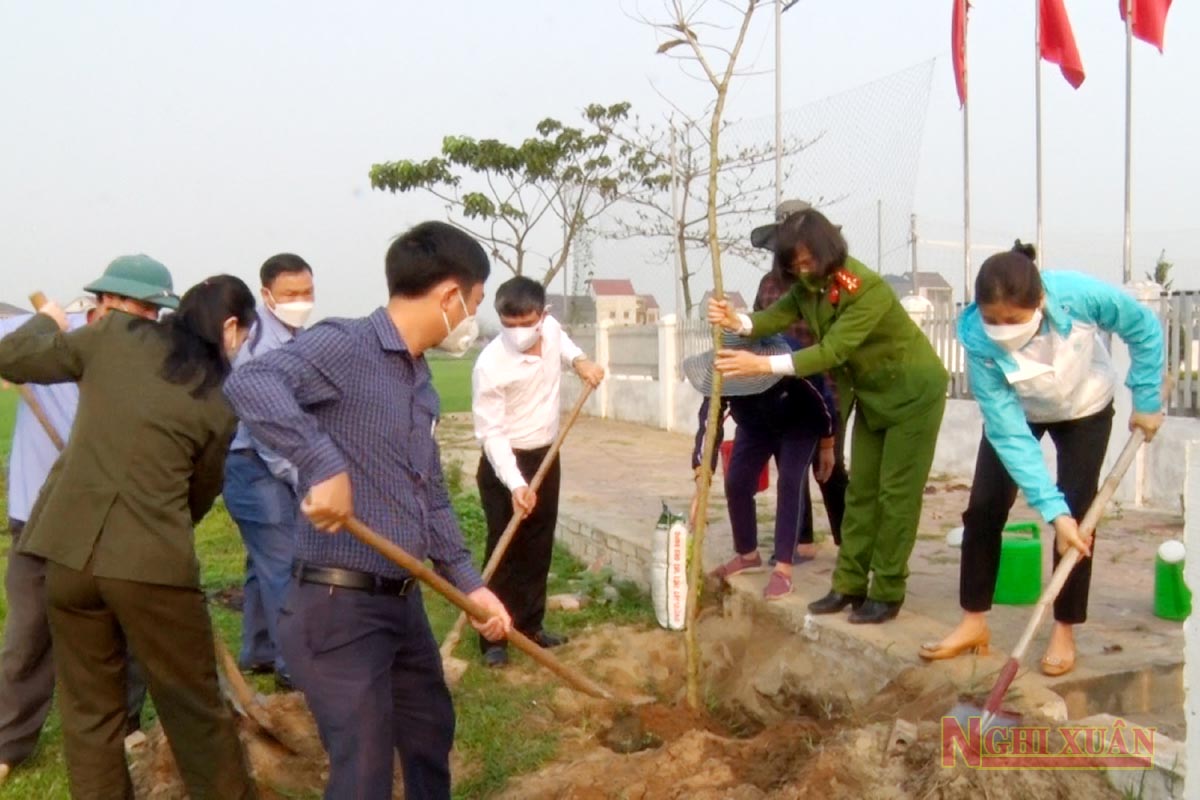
(912,233)
(879,236)
(966,115)
(778,102)
(679,309)
(1128,259)
(1037,84)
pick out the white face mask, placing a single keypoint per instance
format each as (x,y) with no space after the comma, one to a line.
(521,339)
(1014,337)
(459,338)
(293,314)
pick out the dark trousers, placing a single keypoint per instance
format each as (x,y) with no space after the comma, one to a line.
(26,662)
(520,578)
(833,492)
(372,675)
(168,630)
(267,513)
(1080,446)
(752,449)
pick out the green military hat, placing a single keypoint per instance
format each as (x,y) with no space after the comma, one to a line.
(137,277)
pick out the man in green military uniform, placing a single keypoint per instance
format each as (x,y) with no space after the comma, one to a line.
(886,369)
(114,521)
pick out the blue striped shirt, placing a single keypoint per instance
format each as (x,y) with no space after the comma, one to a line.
(347,396)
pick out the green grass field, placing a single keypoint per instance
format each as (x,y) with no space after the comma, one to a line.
(488,712)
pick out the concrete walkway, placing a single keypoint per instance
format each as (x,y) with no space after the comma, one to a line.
(617,475)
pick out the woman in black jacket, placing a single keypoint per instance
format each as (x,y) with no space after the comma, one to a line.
(792,420)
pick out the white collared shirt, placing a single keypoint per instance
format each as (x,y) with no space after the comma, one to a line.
(515,398)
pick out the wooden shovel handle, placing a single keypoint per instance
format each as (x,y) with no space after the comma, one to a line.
(37,300)
(399,556)
(1086,526)
(452,638)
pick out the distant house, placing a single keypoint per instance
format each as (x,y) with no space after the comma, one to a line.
(618,302)
(735,300)
(650,310)
(930,285)
(576,309)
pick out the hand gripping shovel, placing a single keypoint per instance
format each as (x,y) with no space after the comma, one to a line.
(992,707)
(455,667)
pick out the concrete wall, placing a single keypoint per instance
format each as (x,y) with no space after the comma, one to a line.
(667,403)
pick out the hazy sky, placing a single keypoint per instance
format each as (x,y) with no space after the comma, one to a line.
(211,135)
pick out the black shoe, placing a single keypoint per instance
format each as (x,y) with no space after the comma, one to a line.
(835,602)
(283,682)
(261,668)
(547,640)
(875,611)
(496,657)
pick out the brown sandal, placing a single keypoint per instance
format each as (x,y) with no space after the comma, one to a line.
(737,564)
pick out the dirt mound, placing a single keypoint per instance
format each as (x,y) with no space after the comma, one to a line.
(787,723)
(279,772)
(793,760)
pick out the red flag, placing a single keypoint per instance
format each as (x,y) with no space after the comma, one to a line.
(1057,42)
(958,48)
(1149,20)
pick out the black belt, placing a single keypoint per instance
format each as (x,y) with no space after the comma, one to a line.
(352,579)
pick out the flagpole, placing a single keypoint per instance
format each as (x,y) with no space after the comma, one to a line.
(1128,256)
(966,115)
(778,103)
(1037,92)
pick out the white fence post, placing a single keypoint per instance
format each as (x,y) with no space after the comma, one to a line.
(602,359)
(1191,628)
(668,358)
(1149,295)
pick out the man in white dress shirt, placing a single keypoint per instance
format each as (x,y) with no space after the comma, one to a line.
(515,388)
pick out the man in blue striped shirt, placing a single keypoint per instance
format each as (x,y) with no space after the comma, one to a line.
(351,405)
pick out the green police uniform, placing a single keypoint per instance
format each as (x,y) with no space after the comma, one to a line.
(885,368)
(115,524)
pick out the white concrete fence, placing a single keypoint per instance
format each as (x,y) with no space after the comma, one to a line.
(645,386)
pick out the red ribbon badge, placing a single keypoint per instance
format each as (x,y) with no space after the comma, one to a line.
(843,280)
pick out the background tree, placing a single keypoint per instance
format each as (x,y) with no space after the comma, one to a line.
(1162,272)
(745,191)
(553,183)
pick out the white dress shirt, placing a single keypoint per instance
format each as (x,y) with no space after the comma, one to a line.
(515,398)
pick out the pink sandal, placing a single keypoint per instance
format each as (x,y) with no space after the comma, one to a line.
(779,586)
(737,564)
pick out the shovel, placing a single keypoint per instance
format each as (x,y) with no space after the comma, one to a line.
(455,667)
(245,701)
(399,556)
(991,708)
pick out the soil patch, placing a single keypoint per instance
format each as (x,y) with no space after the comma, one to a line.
(231,598)
(787,724)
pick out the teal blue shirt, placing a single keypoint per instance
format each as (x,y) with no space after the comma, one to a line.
(1070,296)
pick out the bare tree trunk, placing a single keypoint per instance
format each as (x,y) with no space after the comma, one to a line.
(696,571)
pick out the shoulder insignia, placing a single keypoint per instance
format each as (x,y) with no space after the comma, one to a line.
(848,280)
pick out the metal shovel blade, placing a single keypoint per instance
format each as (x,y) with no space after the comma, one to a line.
(964,712)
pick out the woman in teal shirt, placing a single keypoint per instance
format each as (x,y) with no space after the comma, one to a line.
(1037,366)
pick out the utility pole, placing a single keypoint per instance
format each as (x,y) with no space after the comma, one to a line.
(912,237)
